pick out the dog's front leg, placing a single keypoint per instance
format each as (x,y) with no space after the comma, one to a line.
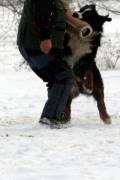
(67,111)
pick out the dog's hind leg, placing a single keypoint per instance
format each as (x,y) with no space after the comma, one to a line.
(98,94)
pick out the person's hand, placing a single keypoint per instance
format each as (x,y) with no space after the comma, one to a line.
(45,46)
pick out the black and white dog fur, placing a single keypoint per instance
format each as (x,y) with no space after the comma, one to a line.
(80,54)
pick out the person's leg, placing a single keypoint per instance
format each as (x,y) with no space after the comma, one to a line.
(51,105)
(39,64)
(59,91)
(57,73)
(64,98)
(58,96)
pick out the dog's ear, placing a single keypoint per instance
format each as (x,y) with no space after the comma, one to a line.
(93,6)
(106,18)
(75,14)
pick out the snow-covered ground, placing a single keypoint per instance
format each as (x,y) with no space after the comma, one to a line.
(87,149)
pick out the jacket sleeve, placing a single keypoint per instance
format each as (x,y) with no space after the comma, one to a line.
(42,18)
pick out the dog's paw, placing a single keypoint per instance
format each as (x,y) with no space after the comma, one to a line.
(108,121)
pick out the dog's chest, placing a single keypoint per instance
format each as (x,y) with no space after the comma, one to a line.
(79,47)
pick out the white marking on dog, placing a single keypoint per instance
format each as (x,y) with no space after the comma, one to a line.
(79,46)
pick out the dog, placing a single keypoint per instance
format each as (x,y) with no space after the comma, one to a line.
(80,54)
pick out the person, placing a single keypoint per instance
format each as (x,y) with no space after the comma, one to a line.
(40,42)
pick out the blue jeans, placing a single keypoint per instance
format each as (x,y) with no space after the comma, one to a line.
(40,64)
(58,75)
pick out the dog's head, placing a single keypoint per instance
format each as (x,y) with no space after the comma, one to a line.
(89,14)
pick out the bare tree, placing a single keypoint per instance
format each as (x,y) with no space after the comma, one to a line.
(13,5)
(16,5)
(108,56)
(103,4)
(111,6)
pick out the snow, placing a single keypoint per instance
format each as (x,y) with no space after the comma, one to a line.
(86,149)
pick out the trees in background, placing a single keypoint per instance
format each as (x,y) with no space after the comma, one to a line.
(13,5)
(109,54)
(16,5)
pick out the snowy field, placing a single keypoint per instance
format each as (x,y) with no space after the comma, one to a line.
(87,149)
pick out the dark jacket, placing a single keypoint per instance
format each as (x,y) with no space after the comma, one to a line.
(41,19)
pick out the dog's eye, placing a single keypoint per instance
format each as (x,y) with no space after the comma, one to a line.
(75,14)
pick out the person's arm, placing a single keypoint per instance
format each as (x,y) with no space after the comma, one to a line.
(42,18)
(42,21)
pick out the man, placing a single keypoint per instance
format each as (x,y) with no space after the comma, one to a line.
(40,40)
